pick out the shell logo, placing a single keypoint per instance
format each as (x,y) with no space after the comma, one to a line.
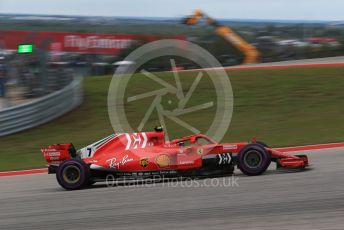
(163,160)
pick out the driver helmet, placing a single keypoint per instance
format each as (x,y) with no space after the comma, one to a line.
(159,128)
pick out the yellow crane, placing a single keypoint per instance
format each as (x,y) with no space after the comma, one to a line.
(250,52)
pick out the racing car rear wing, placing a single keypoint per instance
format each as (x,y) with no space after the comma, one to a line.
(57,153)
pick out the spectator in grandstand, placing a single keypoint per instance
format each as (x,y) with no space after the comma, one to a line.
(3,78)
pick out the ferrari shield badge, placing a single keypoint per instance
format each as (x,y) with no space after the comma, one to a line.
(144,162)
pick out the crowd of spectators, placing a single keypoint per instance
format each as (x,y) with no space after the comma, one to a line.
(25,78)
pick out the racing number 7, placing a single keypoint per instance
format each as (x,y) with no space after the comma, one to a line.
(89,152)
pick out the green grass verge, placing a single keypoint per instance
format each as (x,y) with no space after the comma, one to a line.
(283,107)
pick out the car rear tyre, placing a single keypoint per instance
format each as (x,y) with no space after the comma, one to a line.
(253,160)
(72,174)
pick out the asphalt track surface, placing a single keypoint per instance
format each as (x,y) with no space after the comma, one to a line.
(312,199)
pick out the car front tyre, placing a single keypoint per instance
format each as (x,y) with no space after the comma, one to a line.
(253,160)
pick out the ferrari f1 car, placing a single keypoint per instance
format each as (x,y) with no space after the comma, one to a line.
(147,154)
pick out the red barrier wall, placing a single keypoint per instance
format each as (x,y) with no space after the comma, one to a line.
(74,42)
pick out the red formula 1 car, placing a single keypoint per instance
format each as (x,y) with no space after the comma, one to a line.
(147,154)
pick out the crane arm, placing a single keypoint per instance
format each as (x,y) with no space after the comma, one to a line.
(251,53)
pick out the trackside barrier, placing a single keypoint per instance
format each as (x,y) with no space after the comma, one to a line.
(44,109)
